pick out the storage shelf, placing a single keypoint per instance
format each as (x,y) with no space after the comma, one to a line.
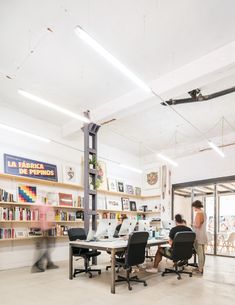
(71,186)
(40,181)
(126,212)
(29,238)
(4,203)
(37,221)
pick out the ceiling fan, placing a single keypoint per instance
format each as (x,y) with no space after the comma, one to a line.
(196,96)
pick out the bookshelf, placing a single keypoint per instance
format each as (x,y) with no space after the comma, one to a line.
(12,224)
(71,186)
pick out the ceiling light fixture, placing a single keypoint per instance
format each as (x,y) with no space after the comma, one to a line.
(133,169)
(62,110)
(24,133)
(216,149)
(110,58)
(167,159)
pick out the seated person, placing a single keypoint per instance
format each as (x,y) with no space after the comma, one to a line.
(166,251)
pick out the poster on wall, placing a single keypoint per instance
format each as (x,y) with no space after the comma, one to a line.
(101,176)
(69,174)
(19,166)
(27,193)
(151,179)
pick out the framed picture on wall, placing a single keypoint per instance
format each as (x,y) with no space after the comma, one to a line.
(125,204)
(69,173)
(132,205)
(137,191)
(120,186)
(112,185)
(129,189)
(151,179)
(101,175)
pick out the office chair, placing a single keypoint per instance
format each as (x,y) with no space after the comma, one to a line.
(182,251)
(194,264)
(86,254)
(134,255)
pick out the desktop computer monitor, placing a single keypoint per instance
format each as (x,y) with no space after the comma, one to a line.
(168,224)
(106,228)
(127,227)
(144,225)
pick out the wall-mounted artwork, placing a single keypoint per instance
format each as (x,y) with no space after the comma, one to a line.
(132,205)
(125,204)
(65,199)
(69,174)
(129,189)
(27,193)
(112,185)
(151,179)
(137,191)
(101,176)
(120,186)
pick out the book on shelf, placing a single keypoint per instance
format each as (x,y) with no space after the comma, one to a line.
(114,205)
(7,233)
(19,214)
(132,206)
(125,204)
(78,202)
(65,199)
(6,196)
(137,191)
(79,215)
(52,198)
(129,189)
(35,232)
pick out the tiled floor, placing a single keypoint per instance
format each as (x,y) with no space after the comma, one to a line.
(217,287)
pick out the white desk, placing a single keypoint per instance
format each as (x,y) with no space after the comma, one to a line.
(111,246)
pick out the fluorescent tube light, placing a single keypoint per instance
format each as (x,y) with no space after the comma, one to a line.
(133,169)
(110,58)
(167,159)
(216,148)
(24,133)
(43,102)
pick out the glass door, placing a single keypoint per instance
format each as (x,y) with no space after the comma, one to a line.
(226,225)
(219,205)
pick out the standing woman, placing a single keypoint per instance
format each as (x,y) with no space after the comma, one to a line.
(199,227)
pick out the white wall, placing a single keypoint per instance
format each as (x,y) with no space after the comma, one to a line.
(21,253)
(204,165)
(182,206)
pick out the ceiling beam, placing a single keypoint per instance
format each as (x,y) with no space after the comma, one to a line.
(200,72)
(226,187)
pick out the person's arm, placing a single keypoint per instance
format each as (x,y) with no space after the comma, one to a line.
(199,219)
(171,237)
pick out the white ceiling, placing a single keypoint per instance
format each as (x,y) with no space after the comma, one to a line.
(151,37)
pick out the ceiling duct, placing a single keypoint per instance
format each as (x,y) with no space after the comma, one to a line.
(196,96)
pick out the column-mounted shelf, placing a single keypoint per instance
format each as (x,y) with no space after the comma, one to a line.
(90,175)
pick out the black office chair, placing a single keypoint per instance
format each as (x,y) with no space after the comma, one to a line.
(134,255)
(86,254)
(182,251)
(194,263)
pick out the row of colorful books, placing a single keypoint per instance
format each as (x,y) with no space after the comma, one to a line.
(119,216)
(19,213)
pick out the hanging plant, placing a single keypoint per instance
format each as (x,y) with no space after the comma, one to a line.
(100,174)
